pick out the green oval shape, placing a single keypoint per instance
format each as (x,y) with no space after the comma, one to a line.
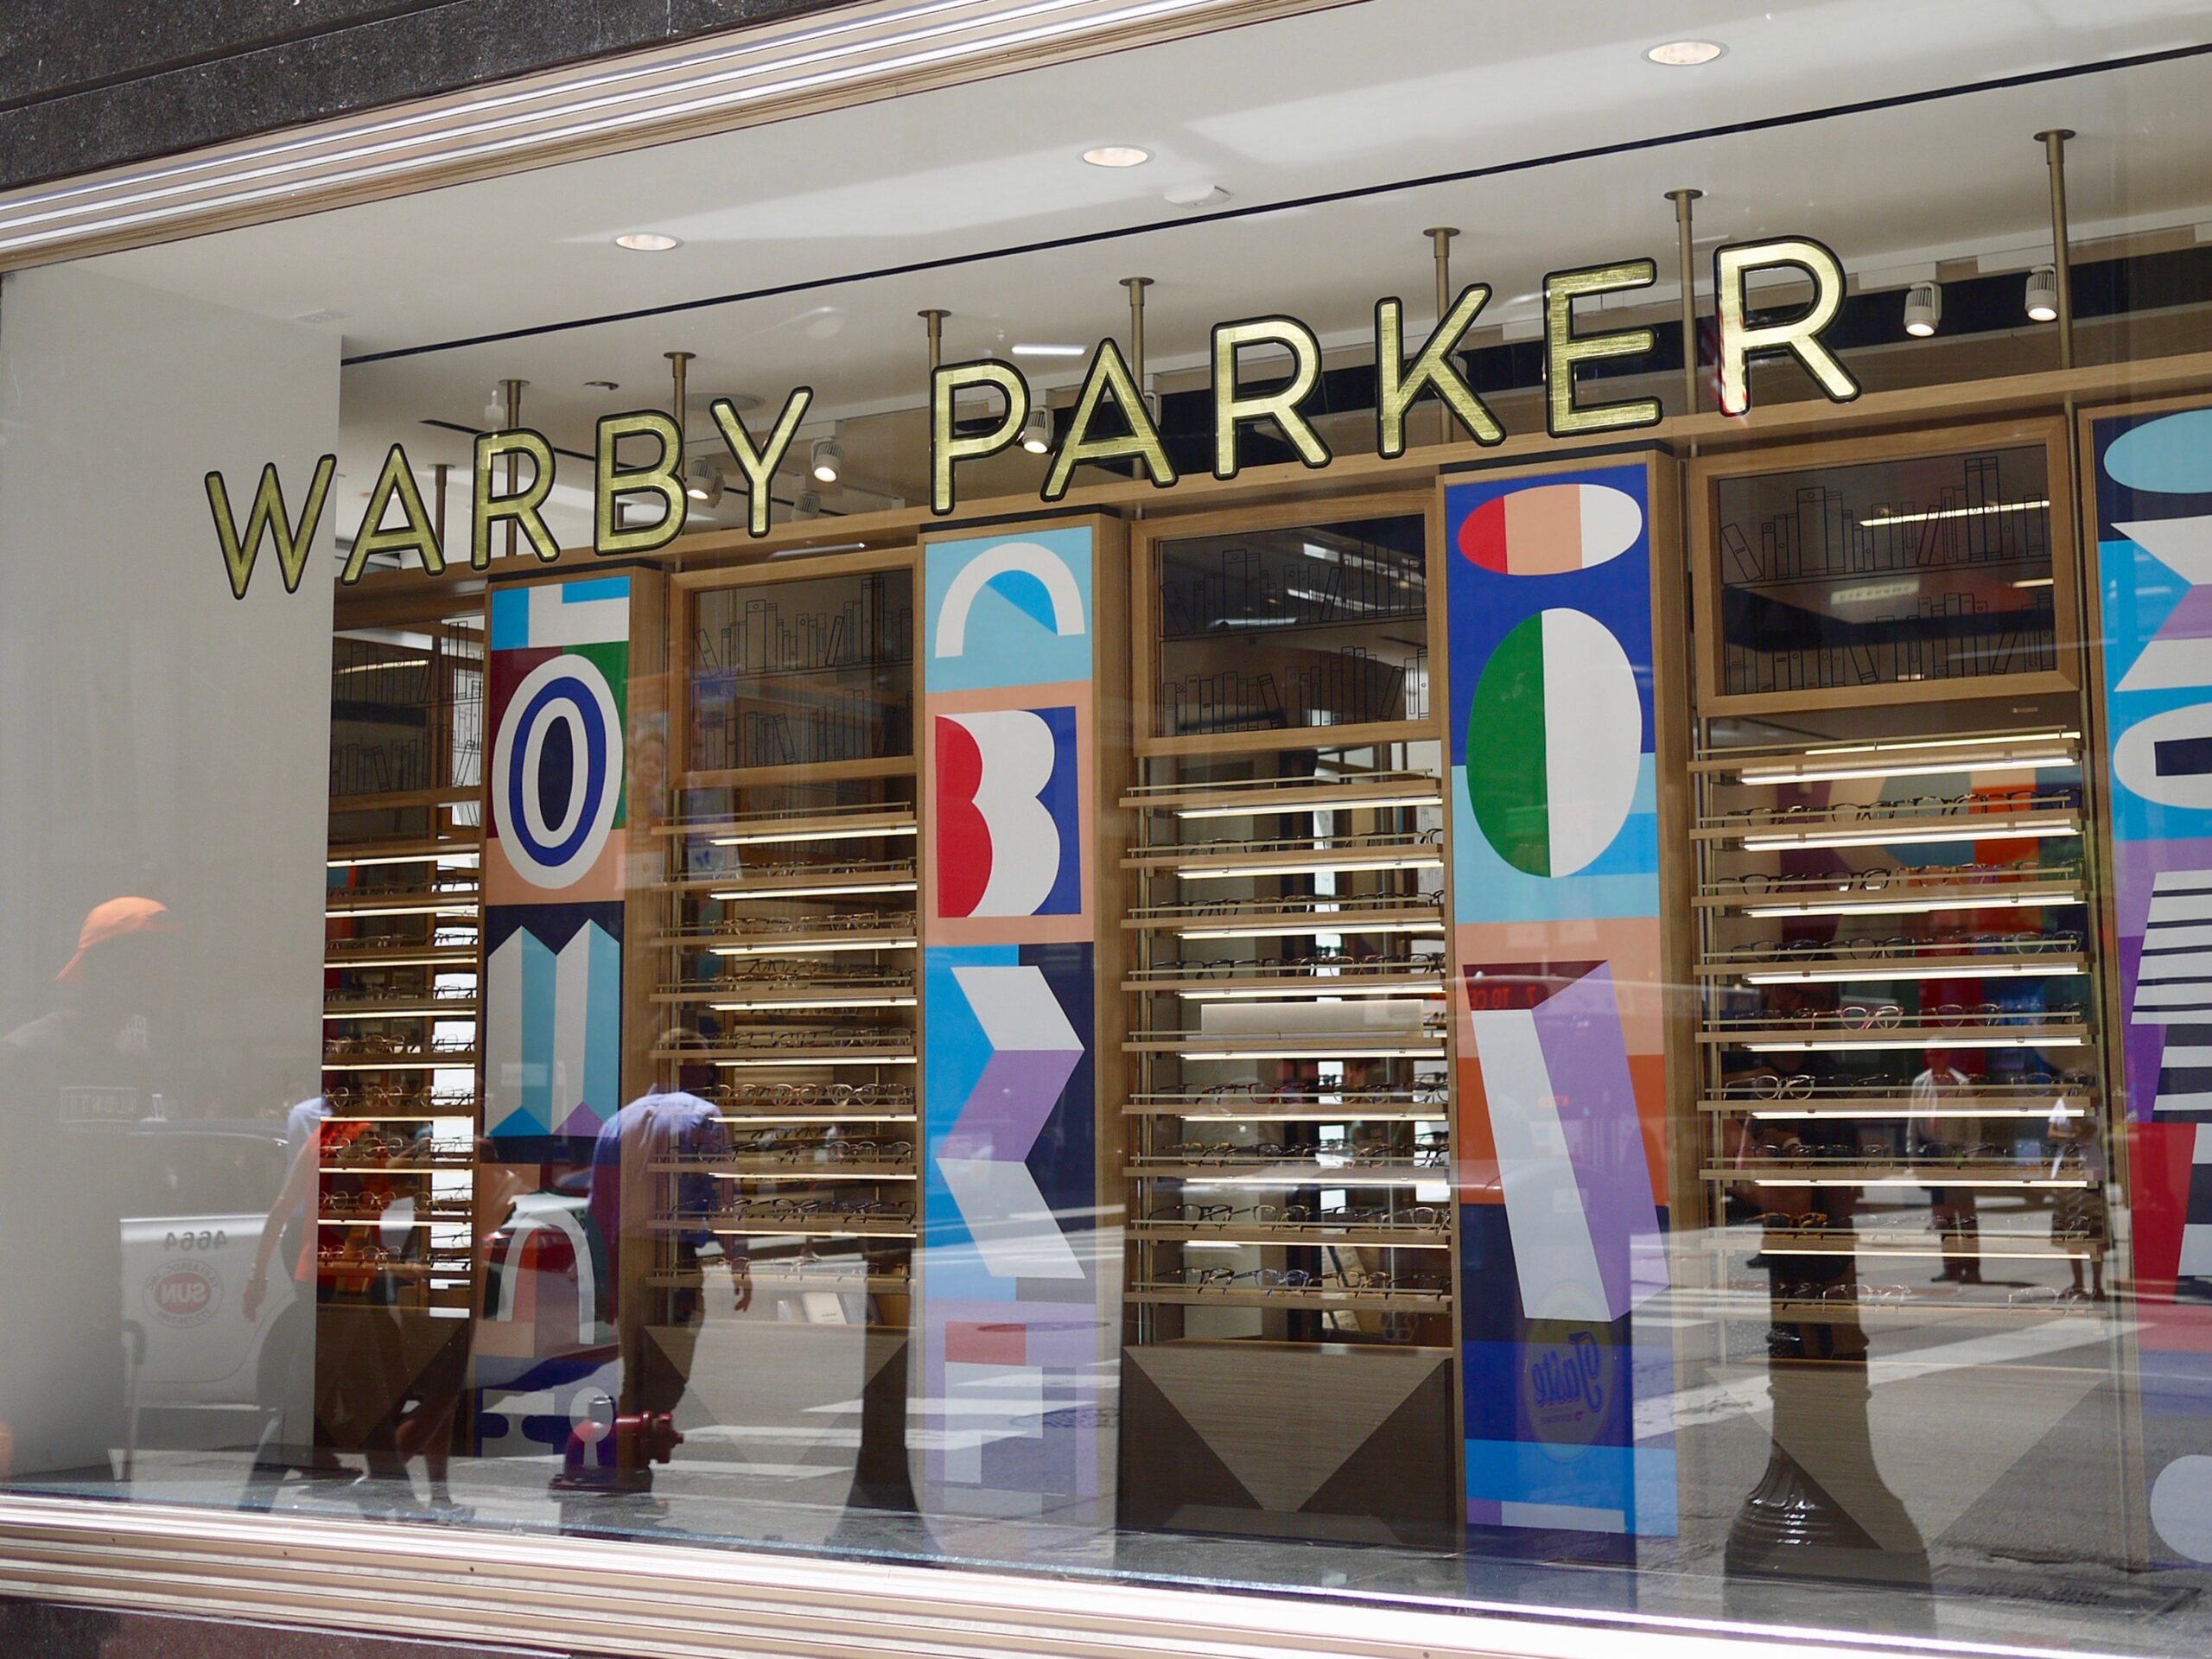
(1506,783)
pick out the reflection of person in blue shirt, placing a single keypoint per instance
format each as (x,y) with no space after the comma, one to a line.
(629,1191)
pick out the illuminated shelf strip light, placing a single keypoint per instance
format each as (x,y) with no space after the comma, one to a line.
(778,837)
(459,1010)
(420,1063)
(879,1060)
(1315,802)
(799,1230)
(1345,923)
(1909,769)
(1905,1253)
(840,1002)
(855,1114)
(1932,968)
(1921,1039)
(1338,1051)
(1893,1113)
(1302,1176)
(459,956)
(1916,906)
(1893,745)
(365,860)
(1338,1238)
(1334,867)
(447,907)
(811,947)
(1934,515)
(1328,987)
(1927,1178)
(811,1172)
(1955,829)
(813,893)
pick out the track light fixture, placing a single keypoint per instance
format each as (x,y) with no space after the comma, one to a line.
(829,459)
(809,505)
(2043,294)
(703,481)
(1923,309)
(1036,429)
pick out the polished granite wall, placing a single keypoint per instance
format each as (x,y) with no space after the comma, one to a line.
(86,84)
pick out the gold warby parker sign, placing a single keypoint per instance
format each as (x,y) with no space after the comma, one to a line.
(1127,435)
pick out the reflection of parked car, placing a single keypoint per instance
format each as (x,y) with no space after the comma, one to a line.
(195,1195)
(546,1346)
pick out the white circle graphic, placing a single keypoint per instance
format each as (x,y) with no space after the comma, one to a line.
(2181,1507)
(570,690)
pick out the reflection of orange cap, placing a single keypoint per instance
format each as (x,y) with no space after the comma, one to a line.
(111,921)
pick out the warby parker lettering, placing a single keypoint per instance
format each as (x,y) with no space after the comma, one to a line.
(1132,433)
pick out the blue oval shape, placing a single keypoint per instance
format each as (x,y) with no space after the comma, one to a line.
(2171,455)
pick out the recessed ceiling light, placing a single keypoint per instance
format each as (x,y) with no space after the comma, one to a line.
(602,386)
(1685,54)
(648,241)
(1031,349)
(1117,156)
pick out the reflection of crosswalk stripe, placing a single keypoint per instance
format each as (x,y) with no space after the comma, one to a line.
(2176,964)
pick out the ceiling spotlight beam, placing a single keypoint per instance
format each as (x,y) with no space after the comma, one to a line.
(2053,141)
(1686,259)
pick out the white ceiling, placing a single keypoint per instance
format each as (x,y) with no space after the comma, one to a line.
(1383,91)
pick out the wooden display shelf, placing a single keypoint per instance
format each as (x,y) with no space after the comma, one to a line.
(1807,967)
(815,1227)
(1373,1235)
(1273,796)
(1352,916)
(416,849)
(764,1169)
(1414,1045)
(1280,1171)
(1352,1107)
(1903,897)
(448,1165)
(735,886)
(2065,1033)
(428,901)
(856,1114)
(1839,1173)
(1370,1301)
(792,1283)
(895,995)
(775,829)
(764,945)
(393,799)
(1988,1246)
(1287,983)
(400,1008)
(1876,1108)
(795,772)
(1785,832)
(456,1060)
(1362,855)
(413,956)
(1929,757)
(787,1057)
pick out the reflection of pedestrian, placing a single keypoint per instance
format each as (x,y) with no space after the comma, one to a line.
(1937,1093)
(628,1193)
(2081,1221)
(69,1084)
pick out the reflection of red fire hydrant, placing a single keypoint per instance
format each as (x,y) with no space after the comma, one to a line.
(600,1452)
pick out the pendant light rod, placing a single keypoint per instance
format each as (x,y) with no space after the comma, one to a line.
(1136,285)
(511,391)
(935,319)
(1441,241)
(1685,259)
(2054,151)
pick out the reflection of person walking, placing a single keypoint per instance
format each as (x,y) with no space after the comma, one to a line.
(1943,1137)
(2080,1219)
(71,1084)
